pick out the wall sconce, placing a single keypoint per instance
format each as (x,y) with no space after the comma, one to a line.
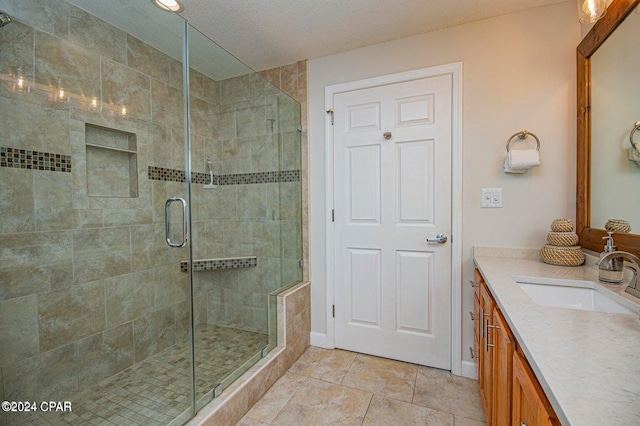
(589,11)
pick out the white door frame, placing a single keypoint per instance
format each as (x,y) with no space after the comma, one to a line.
(455,70)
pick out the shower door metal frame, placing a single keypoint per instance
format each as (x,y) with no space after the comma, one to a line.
(187,227)
(187,172)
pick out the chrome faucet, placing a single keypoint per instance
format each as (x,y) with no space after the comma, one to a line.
(631,288)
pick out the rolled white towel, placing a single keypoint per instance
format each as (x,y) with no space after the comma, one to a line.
(521,160)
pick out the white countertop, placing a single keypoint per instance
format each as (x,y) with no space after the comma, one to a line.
(588,363)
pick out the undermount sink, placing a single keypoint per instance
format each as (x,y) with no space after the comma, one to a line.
(574,294)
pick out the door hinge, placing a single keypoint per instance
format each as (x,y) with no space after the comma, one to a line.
(330,111)
(333,215)
(333,310)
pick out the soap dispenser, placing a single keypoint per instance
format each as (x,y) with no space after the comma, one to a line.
(611,271)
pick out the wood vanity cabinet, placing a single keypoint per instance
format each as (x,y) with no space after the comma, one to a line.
(485,356)
(530,405)
(503,349)
(509,390)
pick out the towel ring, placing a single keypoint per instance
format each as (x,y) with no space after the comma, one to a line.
(524,133)
(633,131)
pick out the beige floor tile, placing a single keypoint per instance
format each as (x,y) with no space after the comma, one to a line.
(317,402)
(248,421)
(272,402)
(324,364)
(306,396)
(443,391)
(384,377)
(463,421)
(385,412)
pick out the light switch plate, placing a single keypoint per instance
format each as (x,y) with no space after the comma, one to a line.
(491,198)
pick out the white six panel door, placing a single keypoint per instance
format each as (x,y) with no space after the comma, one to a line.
(392,288)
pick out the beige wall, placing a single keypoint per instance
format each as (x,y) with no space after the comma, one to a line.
(518,73)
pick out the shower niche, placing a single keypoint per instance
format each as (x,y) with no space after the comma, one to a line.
(112,164)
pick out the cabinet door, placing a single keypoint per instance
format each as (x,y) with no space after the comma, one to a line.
(503,347)
(486,351)
(530,406)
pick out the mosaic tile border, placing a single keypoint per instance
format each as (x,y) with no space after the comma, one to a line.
(174,175)
(260,177)
(166,175)
(222,263)
(34,160)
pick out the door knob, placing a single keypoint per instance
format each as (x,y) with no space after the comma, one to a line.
(440,239)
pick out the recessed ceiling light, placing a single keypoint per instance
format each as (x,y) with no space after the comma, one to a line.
(169,5)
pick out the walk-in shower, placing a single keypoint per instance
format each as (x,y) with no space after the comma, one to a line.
(116,107)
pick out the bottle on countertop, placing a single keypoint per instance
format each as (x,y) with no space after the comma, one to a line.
(612,271)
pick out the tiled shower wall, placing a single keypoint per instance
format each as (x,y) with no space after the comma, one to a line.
(88,286)
(253,219)
(292,79)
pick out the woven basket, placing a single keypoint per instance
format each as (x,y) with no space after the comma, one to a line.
(618,225)
(562,256)
(562,225)
(563,239)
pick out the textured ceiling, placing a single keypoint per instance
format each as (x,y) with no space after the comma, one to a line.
(269,33)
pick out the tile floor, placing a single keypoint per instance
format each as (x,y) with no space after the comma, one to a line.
(158,389)
(336,387)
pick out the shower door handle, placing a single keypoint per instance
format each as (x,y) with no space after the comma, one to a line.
(167,219)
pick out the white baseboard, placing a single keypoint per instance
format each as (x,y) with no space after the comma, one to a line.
(319,340)
(469,370)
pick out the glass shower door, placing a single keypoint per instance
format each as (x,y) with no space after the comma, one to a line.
(245,198)
(102,301)
(94,305)
(227,336)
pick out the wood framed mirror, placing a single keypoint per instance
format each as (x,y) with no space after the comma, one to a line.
(591,238)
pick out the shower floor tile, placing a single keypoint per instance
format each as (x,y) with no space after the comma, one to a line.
(158,389)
